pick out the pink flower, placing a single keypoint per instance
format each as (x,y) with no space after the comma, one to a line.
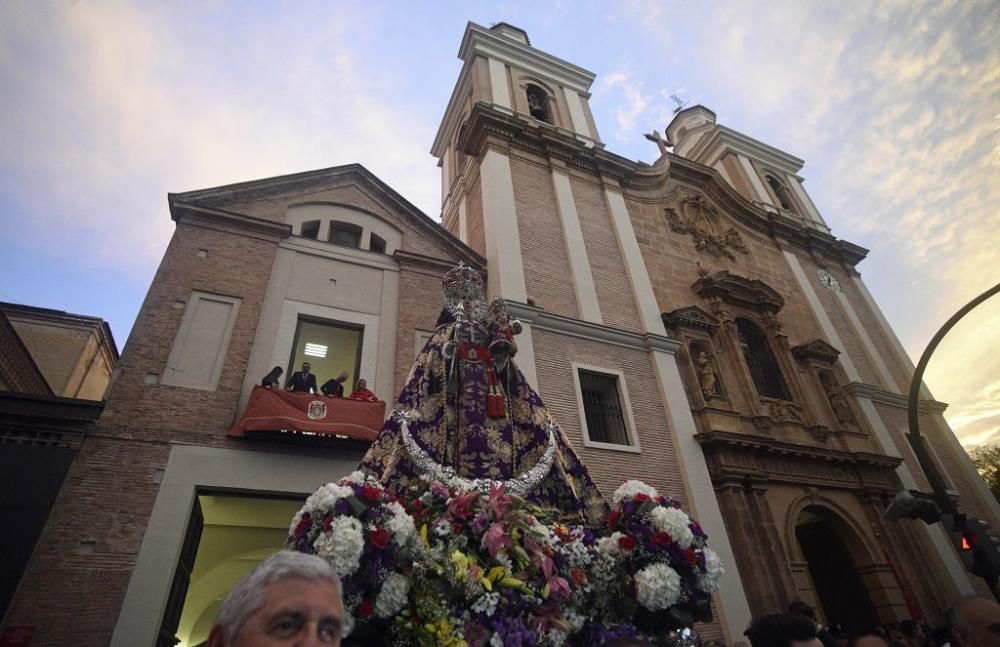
(496,538)
(559,587)
(460,506)
(498,501)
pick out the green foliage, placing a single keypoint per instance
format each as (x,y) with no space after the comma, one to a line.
(987,460)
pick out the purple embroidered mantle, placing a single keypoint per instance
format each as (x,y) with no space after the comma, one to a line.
(445,401)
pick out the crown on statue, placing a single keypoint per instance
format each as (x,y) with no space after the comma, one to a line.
(463,293)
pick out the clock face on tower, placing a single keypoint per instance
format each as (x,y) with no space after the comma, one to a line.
(828,280)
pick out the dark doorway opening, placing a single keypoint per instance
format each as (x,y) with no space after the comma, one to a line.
(840,589)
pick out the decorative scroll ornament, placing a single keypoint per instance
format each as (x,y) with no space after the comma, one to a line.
(316,410)
(520,485)
(704,223)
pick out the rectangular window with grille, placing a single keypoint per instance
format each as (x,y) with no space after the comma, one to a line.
(603,410)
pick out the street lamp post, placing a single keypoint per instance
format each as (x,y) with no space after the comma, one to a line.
(985,560)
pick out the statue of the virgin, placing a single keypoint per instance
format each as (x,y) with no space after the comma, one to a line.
(467,417)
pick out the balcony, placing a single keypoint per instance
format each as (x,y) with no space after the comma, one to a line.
(273,410)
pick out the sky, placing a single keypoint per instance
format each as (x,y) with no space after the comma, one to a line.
(895,107)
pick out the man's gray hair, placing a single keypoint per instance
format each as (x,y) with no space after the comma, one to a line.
(247,596)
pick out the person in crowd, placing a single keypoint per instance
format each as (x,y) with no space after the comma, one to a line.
(334,387)
(800,608)
(914,634)
(273,379)
(874,637)
(975,622)
(361,392)
(783,630)
(302,381)
(288,599)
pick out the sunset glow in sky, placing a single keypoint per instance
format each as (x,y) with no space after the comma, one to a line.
(894,106)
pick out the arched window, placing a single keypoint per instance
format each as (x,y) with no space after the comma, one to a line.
(760,360)
(538,104)
(780,192)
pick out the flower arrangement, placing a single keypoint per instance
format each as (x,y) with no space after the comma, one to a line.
(368,537)
(666,572)
(444,566)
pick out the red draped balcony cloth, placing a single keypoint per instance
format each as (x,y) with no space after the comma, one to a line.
(275,410)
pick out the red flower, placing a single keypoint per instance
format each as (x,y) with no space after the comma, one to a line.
(371,492)
(327,522)
(626,542)
(578,576)
(366,609)
(661,539)
(304,524)
(456,528)
(691,556)
(380,538)
(640,498)
(612,519)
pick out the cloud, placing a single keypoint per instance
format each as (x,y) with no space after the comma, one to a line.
(895,106)
(115,106)
(632,99)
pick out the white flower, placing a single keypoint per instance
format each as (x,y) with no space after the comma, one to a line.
(657,587)
(342,545)
(400,524)
(392,597)
(630,488)
(348,626)
(357,477)
(323,499)
(675,523)
(609,545)
(486,604)
(555,638)
(574,619)
(442,528)
(709,581)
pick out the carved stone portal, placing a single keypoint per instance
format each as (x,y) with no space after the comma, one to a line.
(703,222)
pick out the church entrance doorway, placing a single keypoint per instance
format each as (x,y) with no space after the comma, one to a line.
(826,543)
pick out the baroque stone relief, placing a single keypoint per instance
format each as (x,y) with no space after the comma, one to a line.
(693,215)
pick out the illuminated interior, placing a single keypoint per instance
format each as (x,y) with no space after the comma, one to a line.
(329,348)
(239,532)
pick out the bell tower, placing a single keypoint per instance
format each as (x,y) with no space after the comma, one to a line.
(528,89)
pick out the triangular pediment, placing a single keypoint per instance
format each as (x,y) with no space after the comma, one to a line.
(691,317)
(266,201)
(816,350)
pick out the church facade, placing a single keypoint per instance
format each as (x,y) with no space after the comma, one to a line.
(691,323)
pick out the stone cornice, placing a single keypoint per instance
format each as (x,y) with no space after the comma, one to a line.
(479,40)
(899,401)
(542,320)
(738,290)
(723,139)
(771,445)
(182,212)
(438,266)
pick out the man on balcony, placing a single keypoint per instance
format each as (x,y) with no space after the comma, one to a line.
(302,381)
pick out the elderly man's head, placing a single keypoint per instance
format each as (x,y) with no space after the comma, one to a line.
(975,622)
(289,599)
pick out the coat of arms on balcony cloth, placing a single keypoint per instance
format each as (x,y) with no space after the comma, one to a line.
(316,410)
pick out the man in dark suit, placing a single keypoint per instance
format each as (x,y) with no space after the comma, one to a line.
(302,381)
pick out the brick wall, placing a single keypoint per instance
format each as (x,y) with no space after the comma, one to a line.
(658,462)
(611,281)
(235,266)
(420,302)
(547,274)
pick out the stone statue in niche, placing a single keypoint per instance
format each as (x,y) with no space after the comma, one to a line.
(838,401)
(706,375)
